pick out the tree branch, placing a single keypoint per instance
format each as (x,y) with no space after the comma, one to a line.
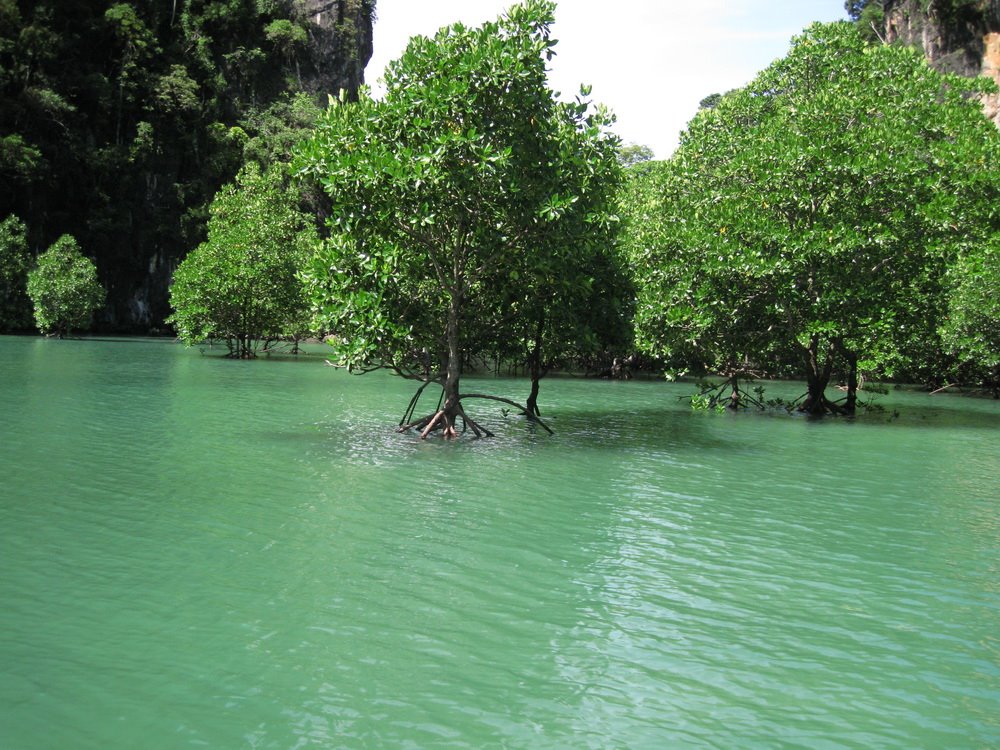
(522,409)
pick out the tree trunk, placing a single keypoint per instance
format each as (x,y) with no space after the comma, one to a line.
(532,402)
(734,395)
(535,369)
(817,379)
(851,404)
(452,406)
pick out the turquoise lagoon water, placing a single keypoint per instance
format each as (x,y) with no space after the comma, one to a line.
(204,553)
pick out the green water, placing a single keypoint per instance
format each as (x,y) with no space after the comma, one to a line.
(203,553)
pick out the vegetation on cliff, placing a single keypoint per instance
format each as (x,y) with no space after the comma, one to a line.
(15,262)
(119,121)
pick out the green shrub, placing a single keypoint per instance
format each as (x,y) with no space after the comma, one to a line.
(64,288)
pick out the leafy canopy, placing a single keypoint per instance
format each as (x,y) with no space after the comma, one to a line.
(450,191)
(241,285)
(815,211)
(64,288)
(971,330)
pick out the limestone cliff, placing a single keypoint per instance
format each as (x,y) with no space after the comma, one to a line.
(957,36)
(119,121)
(340,41)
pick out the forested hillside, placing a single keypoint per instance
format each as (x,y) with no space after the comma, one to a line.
(119,121)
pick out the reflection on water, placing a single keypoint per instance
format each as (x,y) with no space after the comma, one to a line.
(199,552)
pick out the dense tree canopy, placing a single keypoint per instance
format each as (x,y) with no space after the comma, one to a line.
(568,302)
(64,288)
(634,153)
(816,212)
(241,284)
(461,185)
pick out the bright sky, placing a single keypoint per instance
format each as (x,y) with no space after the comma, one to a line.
(650,61)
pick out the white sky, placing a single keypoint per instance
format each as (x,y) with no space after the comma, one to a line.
(650,61)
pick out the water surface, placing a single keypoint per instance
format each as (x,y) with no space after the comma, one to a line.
(204,553)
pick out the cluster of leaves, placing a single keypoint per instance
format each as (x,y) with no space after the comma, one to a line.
(813,215)
(454,188)
(15,261)
(241,284)
(971,332)
(64,289)
(119,120)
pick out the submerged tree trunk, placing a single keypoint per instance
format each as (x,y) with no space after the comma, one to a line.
(535,369)
(817,379)
(450,408)
(241,346)
(735,402)
(532,402)
(452,405)
(851,405)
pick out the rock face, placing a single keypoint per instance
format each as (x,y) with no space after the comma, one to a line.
(340,44)
(957,36)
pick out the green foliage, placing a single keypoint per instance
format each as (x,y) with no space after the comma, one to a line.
(241,285)
(569,302)
(278,128)
(812,215)
(15,307)
(710,102)
(869,15)
(455,199)
(286,36)
(64,288)
(971,331)
(19,159)
(634,153)
(176,92)
(857,9)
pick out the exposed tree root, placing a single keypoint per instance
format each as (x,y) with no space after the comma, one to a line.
(820,406)
(441,419)
(438,416)
(408,415)
(728,394)
(523,409)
